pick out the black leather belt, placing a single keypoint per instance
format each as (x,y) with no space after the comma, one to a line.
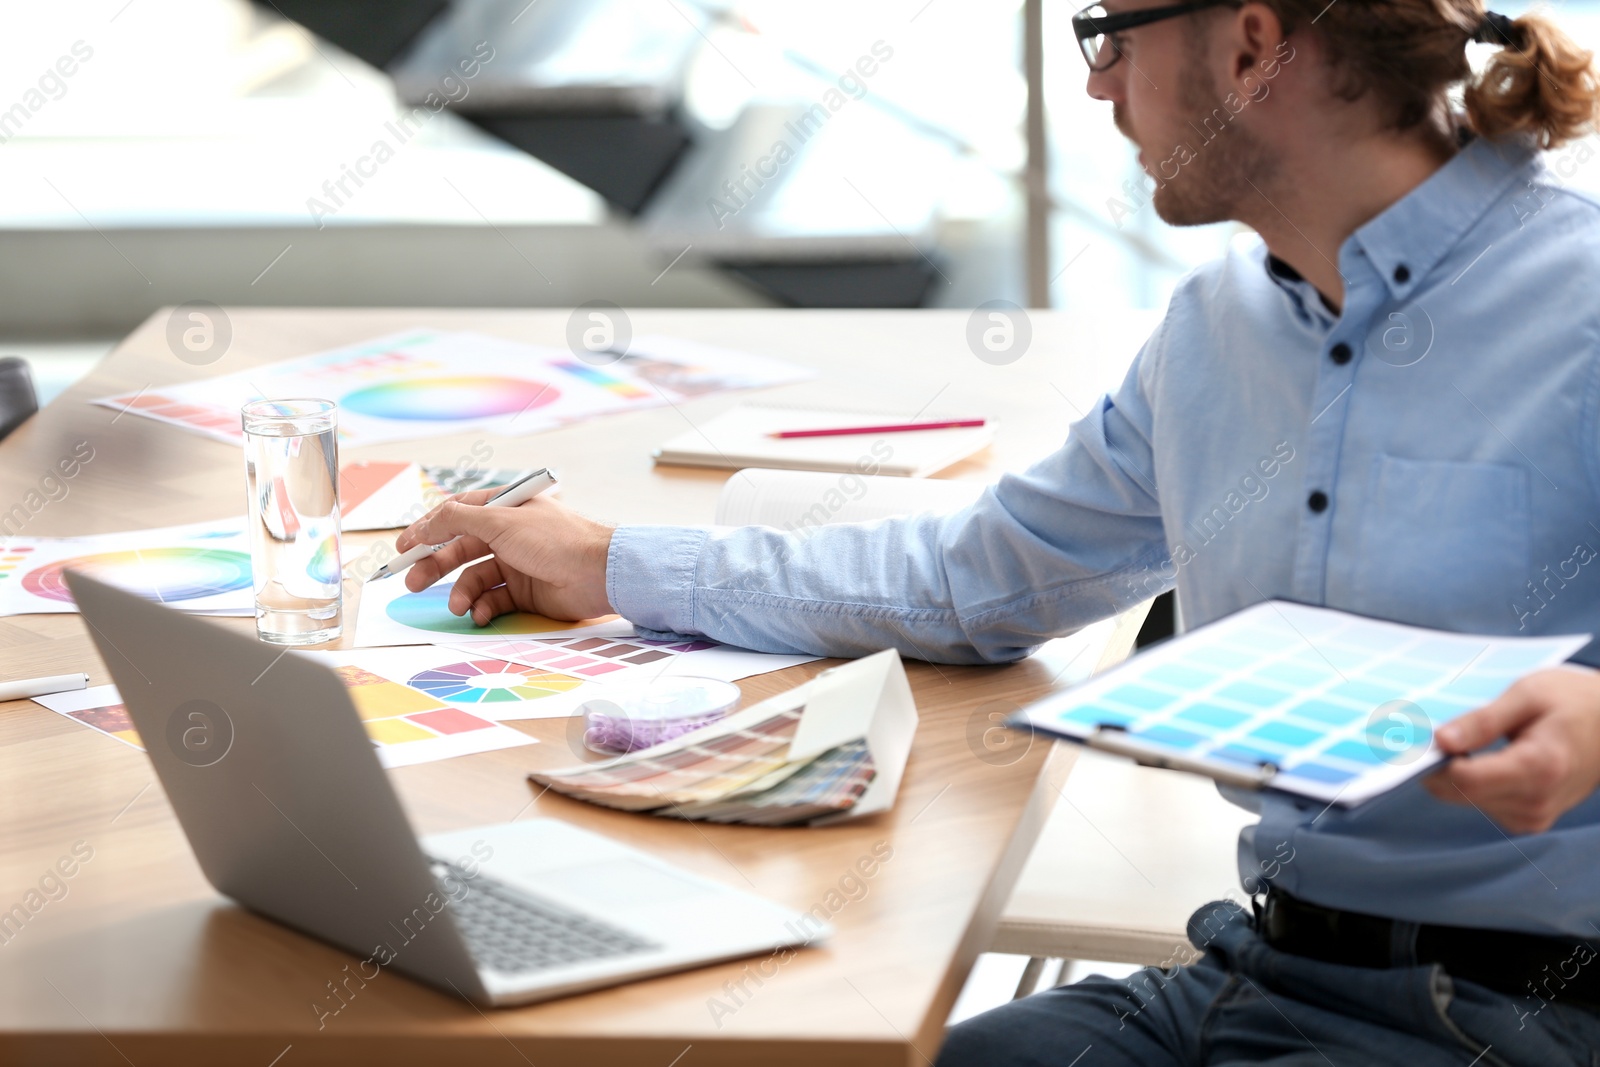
(1552,969)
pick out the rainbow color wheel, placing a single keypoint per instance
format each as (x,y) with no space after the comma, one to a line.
(450,399)
(489,681)
(430,610)
(169,575)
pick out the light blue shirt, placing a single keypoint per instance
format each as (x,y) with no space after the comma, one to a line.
(1446,422)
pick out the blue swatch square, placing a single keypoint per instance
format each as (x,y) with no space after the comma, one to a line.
(1137,696)
(1286,734)
(1317,772)
(1366,694)
(1211,715)
(1180,677)
(1445,652)
(1398,733)
(1297,675)
(1260,696)
(1355,752)
(1413,675)
(1167,735)
(1313,658)
(1326,712)
(1093,715)
(1440,710)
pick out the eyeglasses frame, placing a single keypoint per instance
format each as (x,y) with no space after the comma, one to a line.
(1084,26)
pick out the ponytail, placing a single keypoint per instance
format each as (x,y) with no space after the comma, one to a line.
(1539,83)
(1409,53)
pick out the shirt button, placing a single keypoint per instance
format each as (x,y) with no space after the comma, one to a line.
(1402,274)
(1340,353)
(1317,501)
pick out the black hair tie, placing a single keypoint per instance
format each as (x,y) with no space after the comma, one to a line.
(1497,29)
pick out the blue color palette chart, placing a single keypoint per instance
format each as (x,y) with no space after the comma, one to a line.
(1342,707)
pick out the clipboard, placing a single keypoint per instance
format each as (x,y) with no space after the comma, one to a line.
(1294,698)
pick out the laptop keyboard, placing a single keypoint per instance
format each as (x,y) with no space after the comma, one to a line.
(514,932)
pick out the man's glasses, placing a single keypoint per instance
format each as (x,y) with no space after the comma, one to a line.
(1097,29)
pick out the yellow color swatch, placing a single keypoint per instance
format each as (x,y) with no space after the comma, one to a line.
(378,698)
(397,731)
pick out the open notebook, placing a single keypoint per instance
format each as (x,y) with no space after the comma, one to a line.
(739,438)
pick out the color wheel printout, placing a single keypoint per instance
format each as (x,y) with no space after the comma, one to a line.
(202,568)
(426,383)
(596,654)
(408,715)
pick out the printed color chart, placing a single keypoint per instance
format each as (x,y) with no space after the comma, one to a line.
(202,568)
(406,724)
(423,704)
(1342,706)
(596,657)
(389,614)
(428,383)
(602,661)
(412,725)
(488,681)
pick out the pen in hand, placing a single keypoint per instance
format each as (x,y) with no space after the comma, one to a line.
(516,493)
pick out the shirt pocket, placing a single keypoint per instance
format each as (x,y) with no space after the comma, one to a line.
(1444,544)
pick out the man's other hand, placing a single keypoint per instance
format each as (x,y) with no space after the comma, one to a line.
(1551,763)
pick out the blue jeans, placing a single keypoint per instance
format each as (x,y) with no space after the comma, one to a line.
(1245,1003)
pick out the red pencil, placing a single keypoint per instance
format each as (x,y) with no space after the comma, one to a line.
(906,427)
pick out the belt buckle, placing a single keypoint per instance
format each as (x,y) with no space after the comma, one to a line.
(1271,922)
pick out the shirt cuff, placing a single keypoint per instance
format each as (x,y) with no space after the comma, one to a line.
(650,575)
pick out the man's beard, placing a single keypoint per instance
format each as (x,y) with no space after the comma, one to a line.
(1203,181)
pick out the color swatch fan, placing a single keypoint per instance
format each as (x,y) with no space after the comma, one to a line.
(833,748)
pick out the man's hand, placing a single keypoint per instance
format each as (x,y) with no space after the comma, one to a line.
(1552,763)
(545,558)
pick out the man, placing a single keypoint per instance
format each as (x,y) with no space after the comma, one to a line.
(1414,356)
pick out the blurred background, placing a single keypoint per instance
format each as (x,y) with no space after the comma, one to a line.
(835,153)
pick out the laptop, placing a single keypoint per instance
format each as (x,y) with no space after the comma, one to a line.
(274,781)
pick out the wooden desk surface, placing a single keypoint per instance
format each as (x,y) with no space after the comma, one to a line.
(135,959)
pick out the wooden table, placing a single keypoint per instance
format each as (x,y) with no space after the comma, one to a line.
(135,959)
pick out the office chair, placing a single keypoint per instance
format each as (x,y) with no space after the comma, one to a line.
(17,398)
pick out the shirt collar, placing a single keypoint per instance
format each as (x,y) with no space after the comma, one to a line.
(1419,229)
(1308,303)
(1409,238)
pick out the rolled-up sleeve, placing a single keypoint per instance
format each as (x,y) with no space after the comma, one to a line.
(1039,555)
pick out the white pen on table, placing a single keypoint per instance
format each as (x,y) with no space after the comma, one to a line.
(518,492)
(28,688)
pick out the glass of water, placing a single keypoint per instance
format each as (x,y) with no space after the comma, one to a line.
(291,462)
